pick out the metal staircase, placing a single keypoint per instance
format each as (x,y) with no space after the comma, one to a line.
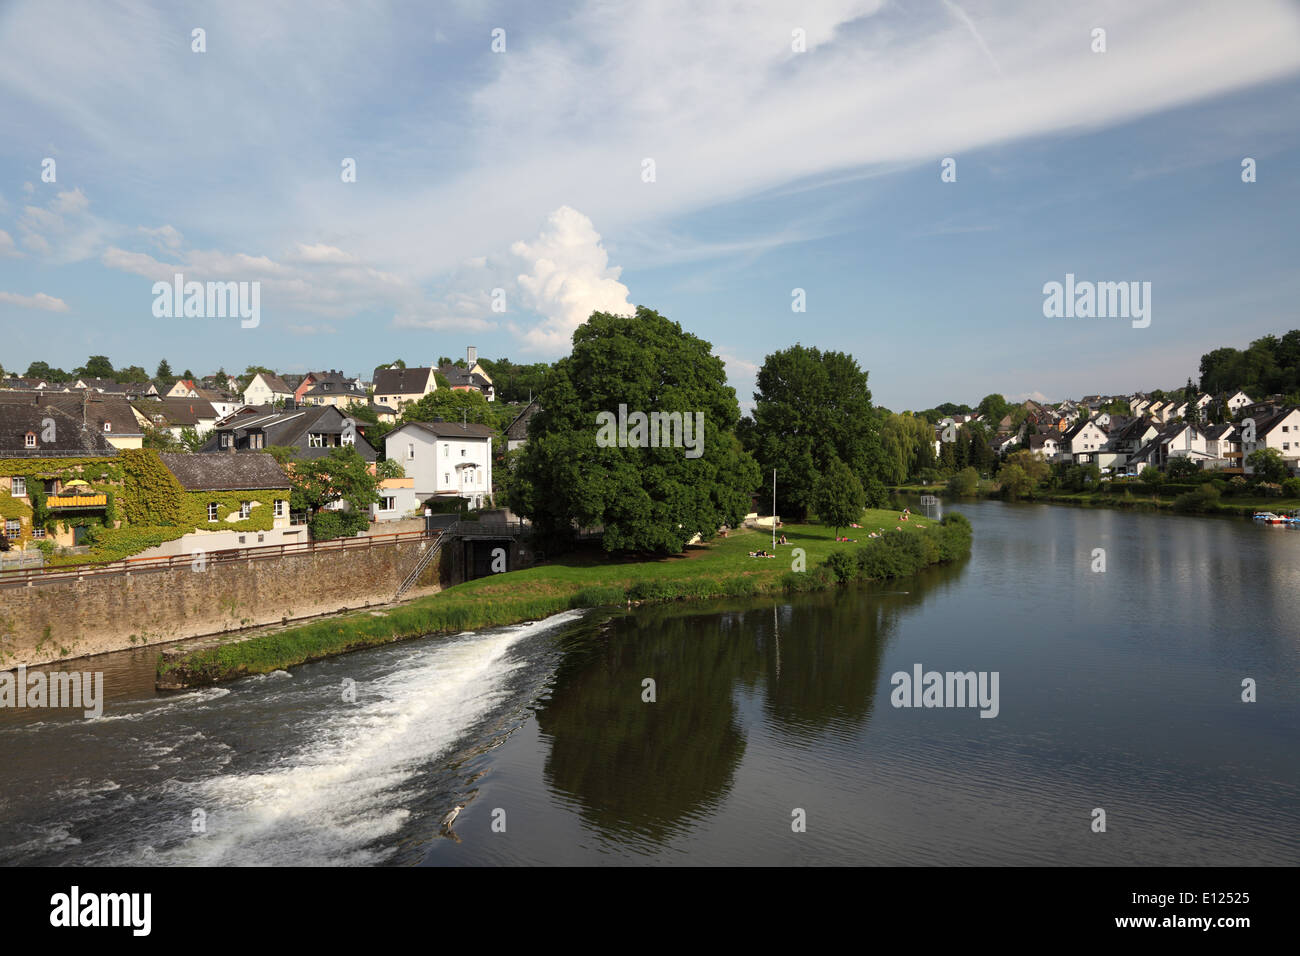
(429,554)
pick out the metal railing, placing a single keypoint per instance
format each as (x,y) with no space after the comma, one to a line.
(22,577)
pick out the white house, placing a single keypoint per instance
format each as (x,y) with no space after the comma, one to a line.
(1237,401)
(1045,446)
(445,459)
(1083,442)
(1280,431)
(267,390)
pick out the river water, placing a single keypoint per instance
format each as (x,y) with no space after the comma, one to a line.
(772,738)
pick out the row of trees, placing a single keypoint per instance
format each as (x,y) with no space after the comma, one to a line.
(813,423)
(1269,365)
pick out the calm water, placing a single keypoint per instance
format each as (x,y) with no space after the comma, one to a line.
(1119,690)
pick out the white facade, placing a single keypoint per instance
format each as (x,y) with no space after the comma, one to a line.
(260,392)
(1283,435)
(1086,443)
(1237,401)
(444,459)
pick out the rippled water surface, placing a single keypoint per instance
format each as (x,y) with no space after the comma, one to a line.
(1118,690)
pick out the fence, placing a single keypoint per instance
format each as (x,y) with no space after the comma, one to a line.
(23,577)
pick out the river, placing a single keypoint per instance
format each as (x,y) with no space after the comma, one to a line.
(771,740)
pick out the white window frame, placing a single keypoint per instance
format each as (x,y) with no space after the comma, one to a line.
(29,440)
(388,502)
(18,486)
(245,510)
(281,507)
(315,440)
(212,512)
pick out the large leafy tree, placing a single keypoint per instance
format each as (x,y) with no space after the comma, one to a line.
(97,366)
(812,407)
(644,498)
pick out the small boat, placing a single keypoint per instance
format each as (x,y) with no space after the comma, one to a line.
(1267,517)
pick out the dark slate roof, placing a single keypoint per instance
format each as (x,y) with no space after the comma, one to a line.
(332,383)
(181,412)
(1217,432)
(449,429)
(290,428)
(518,429)
(401,381)
(458,377)
(91,407)
(1267,422)
(71,438)
(226,472)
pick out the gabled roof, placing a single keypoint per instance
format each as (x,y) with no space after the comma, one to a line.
(181,412)
(1265,424)
(517,430)
(401,381)
(226,472)
(448,429)
(274,382)
(69,438)
(458,377)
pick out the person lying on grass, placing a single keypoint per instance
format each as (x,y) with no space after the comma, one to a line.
(761,554)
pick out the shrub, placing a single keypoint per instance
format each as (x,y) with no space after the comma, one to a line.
(843,566)
(965,483)
(1291,487)
(1270,489)
(1205,498)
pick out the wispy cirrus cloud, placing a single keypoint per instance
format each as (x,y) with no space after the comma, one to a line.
(40,300)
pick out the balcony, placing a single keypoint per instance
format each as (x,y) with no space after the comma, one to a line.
(61,502)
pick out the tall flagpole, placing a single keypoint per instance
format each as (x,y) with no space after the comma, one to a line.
(774,511)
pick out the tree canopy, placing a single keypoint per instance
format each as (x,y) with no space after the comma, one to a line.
(647,499)
(811,408)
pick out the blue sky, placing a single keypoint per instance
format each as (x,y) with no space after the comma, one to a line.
(522,171)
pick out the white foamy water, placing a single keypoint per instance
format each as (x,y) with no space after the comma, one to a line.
(328,802)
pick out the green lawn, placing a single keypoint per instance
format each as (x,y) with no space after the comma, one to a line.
(720,559)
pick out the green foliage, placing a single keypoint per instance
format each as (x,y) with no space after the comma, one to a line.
(1267,465)
(965,483)
(325,525)
(389,468)
(1205,498)
(1269,365)
(1151,476)
(151,494)
(838,497)
(42,370)
(645,499)
(97,366)
(1182,467)
(1015,483)
(812,407)
(1291,487)
(341,475)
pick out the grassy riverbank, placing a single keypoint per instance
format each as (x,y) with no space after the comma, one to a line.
(719,569)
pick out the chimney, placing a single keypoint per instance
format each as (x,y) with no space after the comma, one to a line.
(471,356)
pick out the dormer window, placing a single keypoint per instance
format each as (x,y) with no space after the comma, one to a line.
(108,426)
(29,440)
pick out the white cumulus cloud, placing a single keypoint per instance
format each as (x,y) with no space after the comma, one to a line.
(568,278)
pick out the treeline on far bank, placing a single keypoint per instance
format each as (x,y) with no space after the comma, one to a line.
(1182,487)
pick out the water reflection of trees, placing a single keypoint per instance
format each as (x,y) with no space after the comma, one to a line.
(644,771)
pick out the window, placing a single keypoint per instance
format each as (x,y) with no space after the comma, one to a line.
(462,453)
(281,507)
(38,533)
(446,449)
(212,511)
(12,529)
(261,538)
(388,503)
(108,426)
(243,538)
(245,509)
(257,440)
(18,487)
(446,478)
(410,451)
(225,439)
(315,440)
(29,440)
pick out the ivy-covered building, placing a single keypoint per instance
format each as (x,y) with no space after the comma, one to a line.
(58,476)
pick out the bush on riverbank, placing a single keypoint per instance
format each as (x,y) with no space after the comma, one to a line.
(896,554)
